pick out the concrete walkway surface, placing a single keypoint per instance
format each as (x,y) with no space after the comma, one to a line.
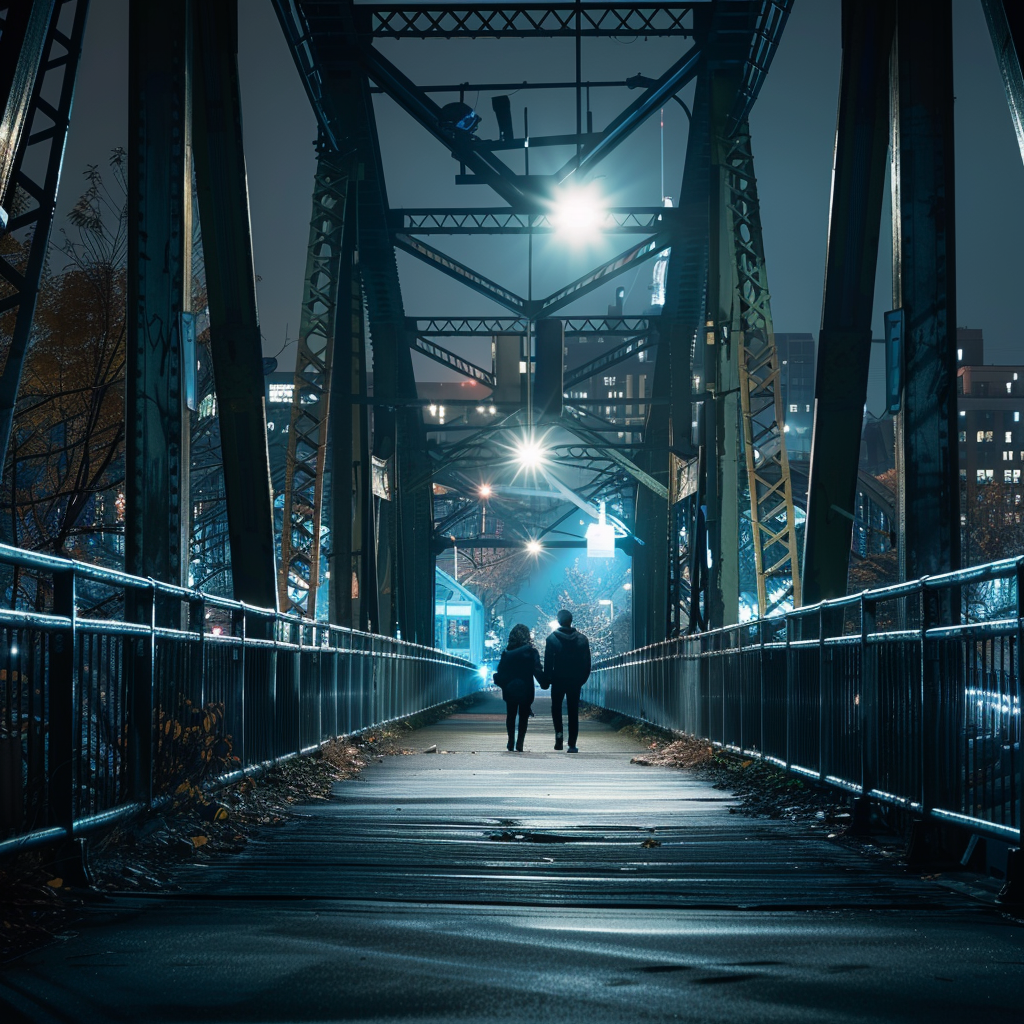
(485,885)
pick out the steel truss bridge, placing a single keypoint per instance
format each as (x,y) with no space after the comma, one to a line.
(812,689)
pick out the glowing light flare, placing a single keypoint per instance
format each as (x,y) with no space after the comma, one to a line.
(578,214)
(485,490)
(534,547)
(530,453)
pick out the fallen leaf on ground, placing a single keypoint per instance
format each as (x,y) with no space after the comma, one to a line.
(649,844)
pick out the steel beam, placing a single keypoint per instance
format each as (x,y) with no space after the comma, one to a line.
(159,282)
(23,37)
(633,116)
(844,344)
(1006,26)
(305,468)
(235,342)
(36,174)
(488,326)
(632,257)
(503,221)
(353,590)
(924,286)
(475,21)
(634,346)
(460,272)
(450,360)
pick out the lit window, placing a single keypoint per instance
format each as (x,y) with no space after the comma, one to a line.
(609,381)
(959,353)
(794,408)
(962,413)
(1009,387)
(981,436)
(1007,456)
(1007,475)
(281,393)
(963,435)
(807,408)
(208,406)
(985,476)
(1016,476)
(522,366)
(1016,417)
(1008,437)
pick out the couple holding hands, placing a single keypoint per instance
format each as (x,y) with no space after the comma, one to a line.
(566,668)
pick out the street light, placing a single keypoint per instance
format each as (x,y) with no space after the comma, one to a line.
(611,607)
(485,490)
(529,452)
(577,213)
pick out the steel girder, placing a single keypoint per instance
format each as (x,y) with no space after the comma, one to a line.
(475,21)
(487,326)
(1006,26)
(353,590)
(34,173)
(441,355)
(303,515)
(235,342)
(844,344)
(641,343)
(924,286)
(330,58)
(24,31)
(503,221)
(159,283)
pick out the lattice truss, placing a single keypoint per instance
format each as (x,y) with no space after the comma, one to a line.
(301,533)
(764,441)
(512,20)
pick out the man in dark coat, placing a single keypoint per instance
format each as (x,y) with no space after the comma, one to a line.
(566,669)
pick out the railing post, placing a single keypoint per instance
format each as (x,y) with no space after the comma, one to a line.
(761,667)
(1013,889)
(868,718)
(62,712)
(929,710)
(140,706)
(822,714)
(789,692)
(197,648)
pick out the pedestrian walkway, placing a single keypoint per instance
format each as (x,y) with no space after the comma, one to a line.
(479,884)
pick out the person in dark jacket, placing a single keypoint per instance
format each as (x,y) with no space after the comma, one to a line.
(517,669)
(566,669)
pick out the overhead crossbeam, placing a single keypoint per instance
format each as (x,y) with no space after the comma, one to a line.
(447,21)
(640,253)
(634,115)
(460,272)
(623,352)
(453,362)
(486,326)
(503,221)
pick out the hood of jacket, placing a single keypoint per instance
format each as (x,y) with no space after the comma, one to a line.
(569,635)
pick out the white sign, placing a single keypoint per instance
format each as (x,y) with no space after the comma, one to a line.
(600,540)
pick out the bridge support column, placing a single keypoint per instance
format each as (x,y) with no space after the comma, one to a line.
(924,286)
(236,345)
(159,282)
(844,344)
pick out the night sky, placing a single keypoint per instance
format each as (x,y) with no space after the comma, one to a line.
(792,127)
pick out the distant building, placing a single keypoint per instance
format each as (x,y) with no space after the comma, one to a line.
(990,400)
(797,354)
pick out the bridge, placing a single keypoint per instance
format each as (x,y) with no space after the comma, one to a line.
(263,592)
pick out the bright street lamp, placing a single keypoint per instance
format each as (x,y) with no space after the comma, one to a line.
(577,213)
(485,490)
(530,453)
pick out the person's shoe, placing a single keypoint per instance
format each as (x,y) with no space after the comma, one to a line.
(558,741)
(519,747)
(511,745)
(573,750)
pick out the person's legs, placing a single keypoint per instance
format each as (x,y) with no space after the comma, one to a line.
(556,714)
(524,721)
(510,721)
(572,701)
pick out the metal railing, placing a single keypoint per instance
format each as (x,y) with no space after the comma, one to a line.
(908,695)
(103,717)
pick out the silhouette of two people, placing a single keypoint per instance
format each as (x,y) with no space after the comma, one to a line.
(566,668)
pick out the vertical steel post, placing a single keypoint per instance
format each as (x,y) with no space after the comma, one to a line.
(62,682)
(844,344)
(159,281)
(141,749)
(235,342)
(924,286)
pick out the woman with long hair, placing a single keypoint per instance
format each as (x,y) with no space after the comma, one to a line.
(517,669)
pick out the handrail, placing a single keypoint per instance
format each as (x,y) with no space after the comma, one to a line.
(921,710)
(100,718)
